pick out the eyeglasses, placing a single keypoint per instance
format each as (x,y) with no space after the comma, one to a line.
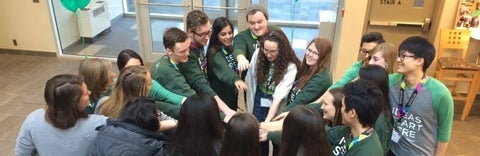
(364,51)
(402,56)
(315,53)
(202,35)
(271,52)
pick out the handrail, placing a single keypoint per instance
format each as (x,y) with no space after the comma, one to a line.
(163,4)
(219,7)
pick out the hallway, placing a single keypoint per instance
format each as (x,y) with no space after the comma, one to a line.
(22,81)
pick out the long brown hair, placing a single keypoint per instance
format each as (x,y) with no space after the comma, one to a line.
(324,49)
(96,73)
(62,95)
(286,55)
(241,136)
(214,44)
(304,133)
(199,127)
(132,82)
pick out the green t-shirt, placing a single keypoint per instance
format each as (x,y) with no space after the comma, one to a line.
(340,139)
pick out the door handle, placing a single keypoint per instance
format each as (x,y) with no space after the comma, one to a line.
(426,25)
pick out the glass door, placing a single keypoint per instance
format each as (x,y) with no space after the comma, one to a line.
(302,20)
(101,29)
(154,16)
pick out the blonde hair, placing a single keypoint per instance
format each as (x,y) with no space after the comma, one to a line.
(96,74)
(132,82)
(389,53)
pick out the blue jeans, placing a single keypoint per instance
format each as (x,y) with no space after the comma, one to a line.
(258,111)
(261,113)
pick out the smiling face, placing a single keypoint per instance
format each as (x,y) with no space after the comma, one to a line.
(378,59)
(257,23)
(366,48)
(311,55)
(201,35)
(270,50)
(225,36)
(179,53)
(328,107)
(407,62)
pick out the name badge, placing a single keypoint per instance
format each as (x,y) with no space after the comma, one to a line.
(265,102)
(395,136)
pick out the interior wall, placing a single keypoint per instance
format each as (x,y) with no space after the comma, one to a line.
(347,36)
(27,22)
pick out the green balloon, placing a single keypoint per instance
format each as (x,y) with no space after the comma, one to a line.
(82,3)
(70,5)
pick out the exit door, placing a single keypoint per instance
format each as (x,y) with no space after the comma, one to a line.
(400,19)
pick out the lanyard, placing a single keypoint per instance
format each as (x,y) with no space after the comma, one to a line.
(173,64)
(268,81)
(202,61)
(404,108)
(230,60)
(363,135)
(253,36)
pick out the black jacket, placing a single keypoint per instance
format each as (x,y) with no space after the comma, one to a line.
(125,139)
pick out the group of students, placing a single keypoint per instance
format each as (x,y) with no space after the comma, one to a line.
(373,111)
(178,106)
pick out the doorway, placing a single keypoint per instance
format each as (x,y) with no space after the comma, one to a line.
(139,24)
(398,20)
(300,20)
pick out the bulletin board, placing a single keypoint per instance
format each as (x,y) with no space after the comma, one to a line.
(468,13)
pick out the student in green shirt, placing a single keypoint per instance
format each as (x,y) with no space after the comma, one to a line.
(99,78)
(330,110)
(360,109)
(246,42)
(194,69)
(384,123)
(313,76)
(129,57)
(222,67)
(368,42)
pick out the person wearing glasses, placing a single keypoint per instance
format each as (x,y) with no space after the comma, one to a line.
(368,42)
(313,77)
(195,68)
(422,106)
(275,67)
(222,67)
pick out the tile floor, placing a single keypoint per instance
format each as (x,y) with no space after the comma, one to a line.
(22,81)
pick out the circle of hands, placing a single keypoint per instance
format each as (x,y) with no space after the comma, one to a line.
(274,125)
